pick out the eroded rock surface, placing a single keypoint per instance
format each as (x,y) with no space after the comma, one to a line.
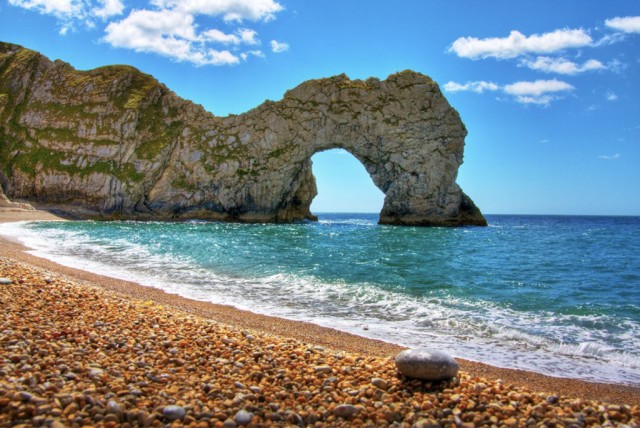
(119,144)
(6,203)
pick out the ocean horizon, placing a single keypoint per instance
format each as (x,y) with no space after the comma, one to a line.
(553,294)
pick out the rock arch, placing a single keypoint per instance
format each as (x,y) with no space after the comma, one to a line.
(404,132)
(116,143)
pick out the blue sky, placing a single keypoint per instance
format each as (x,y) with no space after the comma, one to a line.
(549,91)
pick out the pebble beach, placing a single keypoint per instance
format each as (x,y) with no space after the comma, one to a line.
(77,349)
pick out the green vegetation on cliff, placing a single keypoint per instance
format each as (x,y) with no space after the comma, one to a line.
(116,141)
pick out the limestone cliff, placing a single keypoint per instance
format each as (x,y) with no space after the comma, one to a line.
(5,203)
(119,144)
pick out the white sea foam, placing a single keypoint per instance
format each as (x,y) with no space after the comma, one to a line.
(477,330)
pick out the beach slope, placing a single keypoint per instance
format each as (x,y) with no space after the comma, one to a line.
(78,348)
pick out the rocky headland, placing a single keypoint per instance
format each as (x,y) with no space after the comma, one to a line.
(113,142)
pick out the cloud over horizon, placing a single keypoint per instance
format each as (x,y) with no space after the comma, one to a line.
(546,53)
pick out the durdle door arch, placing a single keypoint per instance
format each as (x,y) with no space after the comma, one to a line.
(402,130)
(115,143)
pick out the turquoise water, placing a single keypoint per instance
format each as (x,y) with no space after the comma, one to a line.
(553,294)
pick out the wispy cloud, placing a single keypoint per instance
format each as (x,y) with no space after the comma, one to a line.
(517,44)
(537,88)
(540,92)
(626,24)
(279,47)
(611,96)
(257,53)
(478,86)
(241,36)
(230,10)
(69,13)
(610,157)
(561,65)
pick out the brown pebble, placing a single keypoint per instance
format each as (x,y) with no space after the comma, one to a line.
(90,356)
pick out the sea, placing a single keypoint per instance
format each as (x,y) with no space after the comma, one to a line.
(558,295)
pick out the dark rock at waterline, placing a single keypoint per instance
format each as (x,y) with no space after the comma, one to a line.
(426,364)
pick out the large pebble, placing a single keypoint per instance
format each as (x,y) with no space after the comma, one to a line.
(5,281)
(95,372)
(243,417)
(426,364)
(173,412)
(345,410)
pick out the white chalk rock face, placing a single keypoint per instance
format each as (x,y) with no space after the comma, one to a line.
(426,364)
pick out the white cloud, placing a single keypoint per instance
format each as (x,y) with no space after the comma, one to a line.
(230,10)
(216,57)
(611,96)
(167,33)
(58,8)
(562,65)
(478,86)
(248,36)
(66,11)
(108,9)
(257,53)
(169,27)
(540,92)
(279,47)
(517,44)
(627,24)
(610,39)
(218,36)
(242,36)
(537,88)
(171,30)
(610,157)
(72,12)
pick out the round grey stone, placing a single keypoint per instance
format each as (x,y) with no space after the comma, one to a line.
(426,364)
(5,281)
(229,423)
(243,417)
(173,412)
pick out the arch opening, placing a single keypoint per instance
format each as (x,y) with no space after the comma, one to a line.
(343,185)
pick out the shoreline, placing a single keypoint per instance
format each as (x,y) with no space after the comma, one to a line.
(303,331)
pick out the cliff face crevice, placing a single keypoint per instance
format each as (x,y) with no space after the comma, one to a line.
(118,144)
